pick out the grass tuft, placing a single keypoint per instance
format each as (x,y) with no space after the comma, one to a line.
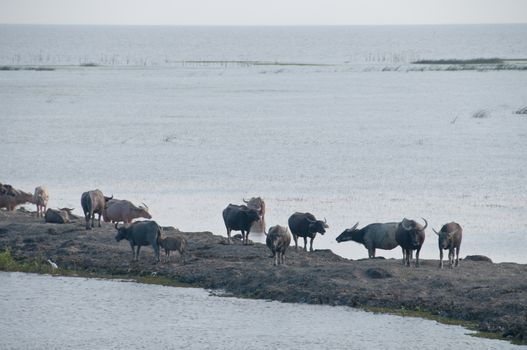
(522,110)
(481,114)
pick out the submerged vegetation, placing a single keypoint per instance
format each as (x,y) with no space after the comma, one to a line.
(522,110)
(479,64)
(26,68)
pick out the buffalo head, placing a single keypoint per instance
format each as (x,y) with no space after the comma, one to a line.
(251,214)
(446,239)
(348,234)
(142,211)
(257,204)
(122,232)
(318,226)
(416,232)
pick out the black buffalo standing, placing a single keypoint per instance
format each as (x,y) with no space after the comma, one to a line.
(239,218)
(410,236)
(139,234)
(306,225)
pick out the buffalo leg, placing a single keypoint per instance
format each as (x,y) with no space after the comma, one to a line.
(133,251)
(305,244)
(228,235)
(440,258)
(93,220)
(451,257)
(311,244)
(87,217)
(416,257)
(156,252)
(99,219)
(138,249)
(295,237)
(404,256)
(247,236)
(457,255)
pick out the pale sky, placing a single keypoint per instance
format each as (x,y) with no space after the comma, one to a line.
(262,12)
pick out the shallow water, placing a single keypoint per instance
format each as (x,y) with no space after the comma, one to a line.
(348,141)
(44,312)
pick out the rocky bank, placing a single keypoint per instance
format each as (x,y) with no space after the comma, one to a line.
(494,296)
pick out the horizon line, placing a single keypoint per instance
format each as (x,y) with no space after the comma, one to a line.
(261,25)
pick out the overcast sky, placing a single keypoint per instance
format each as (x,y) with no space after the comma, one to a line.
(262,12)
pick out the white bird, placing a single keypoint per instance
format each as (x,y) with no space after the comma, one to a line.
(53,265)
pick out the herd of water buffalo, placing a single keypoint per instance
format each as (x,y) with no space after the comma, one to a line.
(246,218)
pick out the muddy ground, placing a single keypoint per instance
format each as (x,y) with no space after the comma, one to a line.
(492,295)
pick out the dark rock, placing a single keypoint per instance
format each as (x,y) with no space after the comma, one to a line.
(377,272)
(478,258)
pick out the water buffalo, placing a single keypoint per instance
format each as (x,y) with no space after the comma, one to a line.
(372,236)
(40,198)
(306,225)
(239,218)
(7,190)
(278,239)
(93,202)
(120,210)
(410,236)
(58,216)
(173,243)
(257,204)
(140,233)
(13,197)
(449,237)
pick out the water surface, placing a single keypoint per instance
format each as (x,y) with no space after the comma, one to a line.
(44,312)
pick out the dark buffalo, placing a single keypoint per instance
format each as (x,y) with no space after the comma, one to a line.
(93,202)
(410,236)
(239,218)
(306,225)
(277,240)
(139,234)
(7,190)
(372,236)
(449,237)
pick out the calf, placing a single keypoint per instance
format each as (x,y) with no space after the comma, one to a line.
(449,237)
(173,243)
(139,234)
(278,239)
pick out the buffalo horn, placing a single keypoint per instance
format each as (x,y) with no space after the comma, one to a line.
(437,233)
(426,223)
(245,201)
(354,226)
(146,206)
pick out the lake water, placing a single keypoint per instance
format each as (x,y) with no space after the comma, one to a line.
(44,312)
(330,120)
